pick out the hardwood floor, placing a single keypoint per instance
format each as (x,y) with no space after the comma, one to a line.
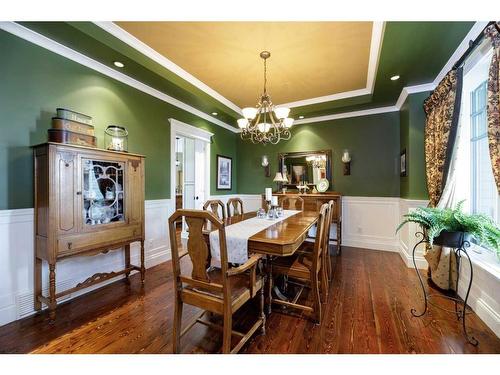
(368,312)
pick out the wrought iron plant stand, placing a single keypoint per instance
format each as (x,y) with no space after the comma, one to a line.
(461,308)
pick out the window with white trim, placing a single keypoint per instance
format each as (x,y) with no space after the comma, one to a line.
(483,192)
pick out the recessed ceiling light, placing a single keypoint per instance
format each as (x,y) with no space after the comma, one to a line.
(118,64)
(394,78)
(214,113)
(301,117)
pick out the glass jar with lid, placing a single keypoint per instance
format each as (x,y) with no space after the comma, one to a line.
(116,138)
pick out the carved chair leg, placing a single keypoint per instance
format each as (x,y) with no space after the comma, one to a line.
(38,283)
(324,284)
(143,267)
(316,298)
(127,259)
(177,325)
(262,314)
(52,291)
(269,286)
(227,332)
(329,263)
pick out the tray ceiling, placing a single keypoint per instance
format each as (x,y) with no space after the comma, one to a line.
(308,59)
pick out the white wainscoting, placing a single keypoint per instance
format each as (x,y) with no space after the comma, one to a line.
(370,222)
(16,254)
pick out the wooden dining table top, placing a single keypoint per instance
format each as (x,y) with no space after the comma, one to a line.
(282,238)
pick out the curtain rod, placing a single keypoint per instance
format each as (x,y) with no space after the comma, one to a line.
(473,44)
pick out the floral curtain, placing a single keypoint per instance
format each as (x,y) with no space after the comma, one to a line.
(493,107)
(442,110)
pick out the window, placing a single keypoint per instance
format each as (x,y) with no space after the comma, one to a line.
(473,174)
(483,192)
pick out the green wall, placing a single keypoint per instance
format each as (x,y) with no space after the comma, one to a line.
(373,142)
(35,81)
(412,119)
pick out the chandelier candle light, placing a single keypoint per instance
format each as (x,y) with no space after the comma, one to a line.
(265,123)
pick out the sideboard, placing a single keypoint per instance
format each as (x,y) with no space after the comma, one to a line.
(313,202)
(87,201)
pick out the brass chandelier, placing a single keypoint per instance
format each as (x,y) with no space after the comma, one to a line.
(265,123)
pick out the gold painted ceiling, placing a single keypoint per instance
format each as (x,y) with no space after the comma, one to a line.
(308,59)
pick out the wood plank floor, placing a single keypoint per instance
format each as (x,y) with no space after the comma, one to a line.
(368,312)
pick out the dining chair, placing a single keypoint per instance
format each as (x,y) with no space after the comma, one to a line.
(307,268)
(221,290)
(292,202)
(311,238)
(237,207)
(213,205)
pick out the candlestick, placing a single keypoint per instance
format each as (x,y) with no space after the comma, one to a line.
(269,194)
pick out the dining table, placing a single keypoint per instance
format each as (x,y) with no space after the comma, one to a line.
(279,239)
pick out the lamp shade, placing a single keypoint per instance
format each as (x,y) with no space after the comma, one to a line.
(249,113)
(242,123)
(288,122)
(264,127)
(281,112)
(279,177)
(346,158)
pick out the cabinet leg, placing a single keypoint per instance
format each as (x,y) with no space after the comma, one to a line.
(52,291)
(38,283)
(127,260)
(143,268)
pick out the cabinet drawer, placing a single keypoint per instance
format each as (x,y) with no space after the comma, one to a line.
(107,237)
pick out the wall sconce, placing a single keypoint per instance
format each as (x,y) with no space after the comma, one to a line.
(346,159)
(265,164)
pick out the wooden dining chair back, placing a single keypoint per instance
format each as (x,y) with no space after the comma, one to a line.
(292,202)
(220,290)
(234,207)
(213,205)
(307,268)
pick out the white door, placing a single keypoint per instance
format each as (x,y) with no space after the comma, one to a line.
(188,196)
(200,167)
(195,165)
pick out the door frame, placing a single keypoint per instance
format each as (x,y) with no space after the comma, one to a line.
(181,128)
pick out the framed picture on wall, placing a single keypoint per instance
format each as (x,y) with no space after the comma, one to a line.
(224,172)
(402,163)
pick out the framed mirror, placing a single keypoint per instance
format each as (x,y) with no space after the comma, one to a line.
(305,167)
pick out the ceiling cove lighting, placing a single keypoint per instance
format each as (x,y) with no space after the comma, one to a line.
(118,64)
(265,123)
(394,78)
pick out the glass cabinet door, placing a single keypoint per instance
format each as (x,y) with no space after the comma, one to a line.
(103,192)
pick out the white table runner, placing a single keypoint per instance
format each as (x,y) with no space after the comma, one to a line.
(237,236)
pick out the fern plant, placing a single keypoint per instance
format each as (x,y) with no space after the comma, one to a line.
(436,220)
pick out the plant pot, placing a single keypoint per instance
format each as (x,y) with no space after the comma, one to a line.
(452,239)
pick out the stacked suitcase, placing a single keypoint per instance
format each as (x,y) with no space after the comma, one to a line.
(73,128)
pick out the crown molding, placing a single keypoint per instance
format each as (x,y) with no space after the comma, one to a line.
(55,47)
(413,90)
(123,35)
(473,33)
(475,30)
(365,112)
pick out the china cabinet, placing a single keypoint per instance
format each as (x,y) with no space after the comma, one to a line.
(87,201)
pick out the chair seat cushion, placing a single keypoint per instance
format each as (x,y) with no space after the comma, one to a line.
(240,284)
